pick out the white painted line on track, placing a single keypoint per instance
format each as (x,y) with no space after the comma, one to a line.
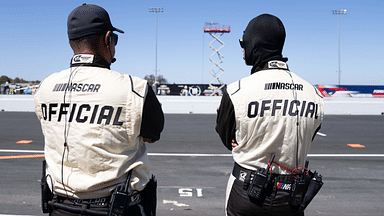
(321,134)
(13,215)
(21,151)
(179,186)
(189,155)
(345,155)
(175,203)
(230,155)
(211,155)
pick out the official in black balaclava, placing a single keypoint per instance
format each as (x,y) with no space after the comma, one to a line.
(263,40)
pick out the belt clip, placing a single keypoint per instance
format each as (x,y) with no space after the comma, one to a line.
(247,179)
(84,208)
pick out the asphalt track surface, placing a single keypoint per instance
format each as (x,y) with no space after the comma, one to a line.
(192,166)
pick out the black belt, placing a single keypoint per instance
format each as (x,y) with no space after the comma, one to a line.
(241,173)
(245,175)
(99,202)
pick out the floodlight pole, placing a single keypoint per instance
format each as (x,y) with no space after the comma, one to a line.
(156,10)
(338,13)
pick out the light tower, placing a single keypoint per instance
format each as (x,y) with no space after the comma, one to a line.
(216,31)
(156,10)
(338,13)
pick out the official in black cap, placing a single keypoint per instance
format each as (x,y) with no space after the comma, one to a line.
(87,20)
(268,120)
(93,20)
(96,123)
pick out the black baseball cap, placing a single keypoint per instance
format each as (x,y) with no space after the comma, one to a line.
(88,19)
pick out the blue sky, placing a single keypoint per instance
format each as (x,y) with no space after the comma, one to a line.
(34,40)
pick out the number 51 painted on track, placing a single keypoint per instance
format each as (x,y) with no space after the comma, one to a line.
(188,192)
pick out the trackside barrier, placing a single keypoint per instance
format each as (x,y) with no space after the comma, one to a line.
(209,105)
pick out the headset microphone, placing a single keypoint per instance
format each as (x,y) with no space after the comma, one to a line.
(113,60)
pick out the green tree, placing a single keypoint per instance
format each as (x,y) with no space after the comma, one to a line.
(16,80)
(4,79)
(161,79)
(151,79)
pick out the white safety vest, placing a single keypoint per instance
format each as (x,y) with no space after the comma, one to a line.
(97,112)
(276,112)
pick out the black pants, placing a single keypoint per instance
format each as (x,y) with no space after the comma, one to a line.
(135,210)
(275,203)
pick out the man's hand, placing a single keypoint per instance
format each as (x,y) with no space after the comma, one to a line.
(234,144)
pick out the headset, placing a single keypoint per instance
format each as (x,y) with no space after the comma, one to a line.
(66,124)
(115,37)
(303,190)
(294,92)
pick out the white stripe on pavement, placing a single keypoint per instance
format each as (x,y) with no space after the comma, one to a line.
(209,155)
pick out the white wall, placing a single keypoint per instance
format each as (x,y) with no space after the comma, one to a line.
(208,105)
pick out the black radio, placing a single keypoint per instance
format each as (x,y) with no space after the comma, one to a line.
(120,198)
(299,187)
(119,201)
(298,190)
(260,181)
(46,194)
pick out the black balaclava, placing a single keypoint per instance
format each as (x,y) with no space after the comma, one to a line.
(263,40)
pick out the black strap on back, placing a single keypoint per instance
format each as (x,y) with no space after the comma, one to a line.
(128,180)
